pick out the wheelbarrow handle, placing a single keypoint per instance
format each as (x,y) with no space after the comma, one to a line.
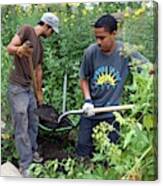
(96,110)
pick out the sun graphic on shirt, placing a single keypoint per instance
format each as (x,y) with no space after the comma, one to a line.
(106,79)
(106,76)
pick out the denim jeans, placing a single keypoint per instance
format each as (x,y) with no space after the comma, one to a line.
(86,125)
(22,102)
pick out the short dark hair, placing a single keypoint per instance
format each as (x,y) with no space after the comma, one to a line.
(42,23)
(108,22)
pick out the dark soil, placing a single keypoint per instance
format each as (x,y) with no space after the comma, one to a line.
(52,144)
(56,145)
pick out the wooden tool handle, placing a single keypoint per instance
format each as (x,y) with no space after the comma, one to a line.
(112,108)
(33,75)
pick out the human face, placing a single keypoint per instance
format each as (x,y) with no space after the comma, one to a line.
(48,31)
(105,39)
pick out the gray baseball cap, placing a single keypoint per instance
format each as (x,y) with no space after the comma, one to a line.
(51,20)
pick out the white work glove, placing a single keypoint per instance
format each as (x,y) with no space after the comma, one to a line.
(88,108)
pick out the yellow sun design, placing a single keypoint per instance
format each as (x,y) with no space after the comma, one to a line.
(106,79)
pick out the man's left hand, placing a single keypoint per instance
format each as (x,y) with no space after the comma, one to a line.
(152,72)
(39,97)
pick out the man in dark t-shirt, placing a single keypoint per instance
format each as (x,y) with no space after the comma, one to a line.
(102,77)
(21,93)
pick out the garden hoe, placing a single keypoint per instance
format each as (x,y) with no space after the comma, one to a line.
(96,110)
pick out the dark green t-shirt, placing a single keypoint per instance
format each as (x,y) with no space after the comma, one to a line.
(20,73)
(106,74)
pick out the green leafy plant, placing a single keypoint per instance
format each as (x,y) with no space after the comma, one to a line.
(135,156)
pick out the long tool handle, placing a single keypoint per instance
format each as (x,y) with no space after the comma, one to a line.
(28,45)
(97,110)
(112,108)
(33,75)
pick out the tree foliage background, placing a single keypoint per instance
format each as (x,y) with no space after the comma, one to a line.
(63,54)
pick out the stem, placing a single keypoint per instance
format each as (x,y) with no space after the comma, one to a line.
(138,161)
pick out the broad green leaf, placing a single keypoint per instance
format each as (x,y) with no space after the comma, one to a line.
(148,121)
(128,138)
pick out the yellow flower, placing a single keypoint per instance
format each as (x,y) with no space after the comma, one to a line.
(72,16)
(5,136)
(139,11)
(65,20)
(126,14)
(76,4)
(84,12)
(133,16)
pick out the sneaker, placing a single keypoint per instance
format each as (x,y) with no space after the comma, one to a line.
(37,158)
(25,173)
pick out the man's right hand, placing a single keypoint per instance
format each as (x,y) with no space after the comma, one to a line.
(25,49)
(88,108)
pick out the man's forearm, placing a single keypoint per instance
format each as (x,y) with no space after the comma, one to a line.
(14,45)
(39,93)
(12,50)
(85,89)
(39,74)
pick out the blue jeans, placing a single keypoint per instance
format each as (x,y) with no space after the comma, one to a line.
(86,125)
(25,122)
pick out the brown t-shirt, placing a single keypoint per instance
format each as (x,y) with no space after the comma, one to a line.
(20,73)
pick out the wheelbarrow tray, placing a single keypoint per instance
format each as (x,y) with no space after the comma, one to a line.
(48,117)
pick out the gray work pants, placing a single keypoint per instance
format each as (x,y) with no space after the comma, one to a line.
(23,103)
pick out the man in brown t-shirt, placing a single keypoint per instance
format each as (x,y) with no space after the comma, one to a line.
(22,99)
